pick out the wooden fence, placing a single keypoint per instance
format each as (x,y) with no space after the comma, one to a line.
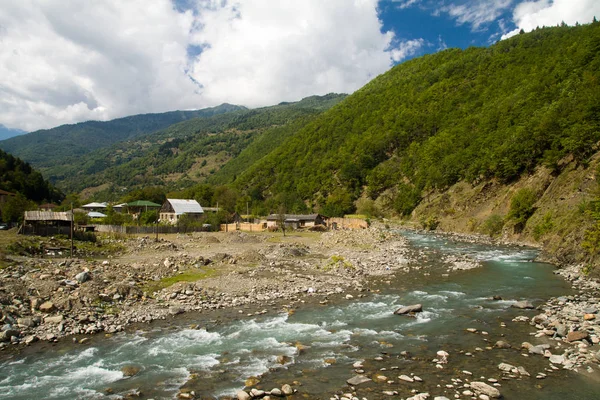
(347,223)
(144,230)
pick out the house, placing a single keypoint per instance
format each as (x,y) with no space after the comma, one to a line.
(120,207)
(4,196)
(173,209)
(46,223)
(94,206)
(47,207)
(139,206)
(296,221)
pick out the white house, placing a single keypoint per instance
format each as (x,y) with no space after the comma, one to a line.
(173,209)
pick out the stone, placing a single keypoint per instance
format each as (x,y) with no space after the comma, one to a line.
(130,370)
(257,393)
(577,335)
(26,322)
(57,319)
(589,317)
(30,339)
(505,367)
(287,390)
(252,381)
(556,359)
(83,277)
(523,305)
(47,306)
(415,308)
(358,380)
(7,334)
(501,344)
(276,392)
(485,389)
(561,331)
(406,378)
(241,395)
(174,310)
(282,359)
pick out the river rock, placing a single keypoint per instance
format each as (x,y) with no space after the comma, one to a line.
(30,339)
(415,308)
(358,380)
(505,367)
(556,359)
(484,388)
(501,344)
(257,393)
(525,304)
(589,317)
(276,392)
(7,334)
(130,370)
(241,395)
(561,331)
(287,390)
(406,378)
(26,322)
(577,335)
(83,277)
(174,310)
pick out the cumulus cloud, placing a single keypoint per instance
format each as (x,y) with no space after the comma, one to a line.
(64,61)
(530,14)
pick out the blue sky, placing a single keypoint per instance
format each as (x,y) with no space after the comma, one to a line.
(66,61)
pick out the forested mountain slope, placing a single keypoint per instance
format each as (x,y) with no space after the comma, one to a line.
(64,144)
(472,115)
(17,176)
(190,151)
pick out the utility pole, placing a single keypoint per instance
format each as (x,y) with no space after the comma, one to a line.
(71,230)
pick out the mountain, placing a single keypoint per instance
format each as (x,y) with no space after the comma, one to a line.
(17,176)
(471,115)
(6,133)
(65,144)
(190,151)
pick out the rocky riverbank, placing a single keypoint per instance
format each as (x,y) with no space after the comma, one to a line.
(48,299)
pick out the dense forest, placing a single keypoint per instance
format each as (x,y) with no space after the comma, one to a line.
(67,143)
(474,114)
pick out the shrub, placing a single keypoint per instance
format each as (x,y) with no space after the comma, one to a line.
(521,206)
(543,227)
(493,225)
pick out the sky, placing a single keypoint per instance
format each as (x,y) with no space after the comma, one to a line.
(67,61)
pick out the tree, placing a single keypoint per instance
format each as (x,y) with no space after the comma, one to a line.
(522,206)
(14,208)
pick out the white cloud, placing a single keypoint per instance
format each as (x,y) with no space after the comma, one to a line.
(477,13)
(64,61)
(406,49)
(530,14)
(406,3)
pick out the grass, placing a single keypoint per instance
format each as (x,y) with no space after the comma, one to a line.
(190,275)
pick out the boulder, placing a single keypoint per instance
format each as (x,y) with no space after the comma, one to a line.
(561,331)
(130,370)
(57,319)
(358,380)
(276,392)
(485,389)
(556,359)
(415,308)
(501,344)
(83,277)
(523,305)
(287,390)
(26,322)
(7,334)
(577,335)
(241,395)
(506,367)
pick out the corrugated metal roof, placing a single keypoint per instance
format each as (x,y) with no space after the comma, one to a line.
(96,214)
(186,206)
(142,203)
(47,216)
(95,205)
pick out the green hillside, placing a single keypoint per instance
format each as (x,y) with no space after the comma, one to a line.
(17,176)
(473,115)
(191,151)
(65,144)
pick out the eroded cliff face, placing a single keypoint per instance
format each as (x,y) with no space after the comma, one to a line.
(558,222)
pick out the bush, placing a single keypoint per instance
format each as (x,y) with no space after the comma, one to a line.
(543,227)
(521,206)
(493,225)
(430,223)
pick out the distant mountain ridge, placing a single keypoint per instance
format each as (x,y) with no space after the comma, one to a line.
(7,133)
(63,144)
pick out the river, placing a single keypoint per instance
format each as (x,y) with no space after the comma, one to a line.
(216,359)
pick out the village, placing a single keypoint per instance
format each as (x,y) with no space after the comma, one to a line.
(173,216)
